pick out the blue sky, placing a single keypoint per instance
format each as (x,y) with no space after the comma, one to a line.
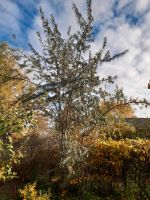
(19,16)
(124,22)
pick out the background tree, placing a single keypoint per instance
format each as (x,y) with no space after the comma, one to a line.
(117,105)
(14,118)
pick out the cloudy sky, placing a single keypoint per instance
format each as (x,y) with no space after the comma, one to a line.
(125,23)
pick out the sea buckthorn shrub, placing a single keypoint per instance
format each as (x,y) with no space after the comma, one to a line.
(120,167)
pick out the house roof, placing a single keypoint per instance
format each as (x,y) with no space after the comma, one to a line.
(139,123)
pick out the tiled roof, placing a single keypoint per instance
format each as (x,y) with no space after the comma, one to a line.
(139,123)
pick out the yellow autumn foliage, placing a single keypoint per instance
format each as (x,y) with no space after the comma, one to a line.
(11,78)
(111,155)
(29,192)
(117,109)
(109,159)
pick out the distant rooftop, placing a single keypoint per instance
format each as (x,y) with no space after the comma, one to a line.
(139,123)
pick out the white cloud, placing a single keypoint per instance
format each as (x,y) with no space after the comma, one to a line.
(9,16)
(124,3)
(142,5)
